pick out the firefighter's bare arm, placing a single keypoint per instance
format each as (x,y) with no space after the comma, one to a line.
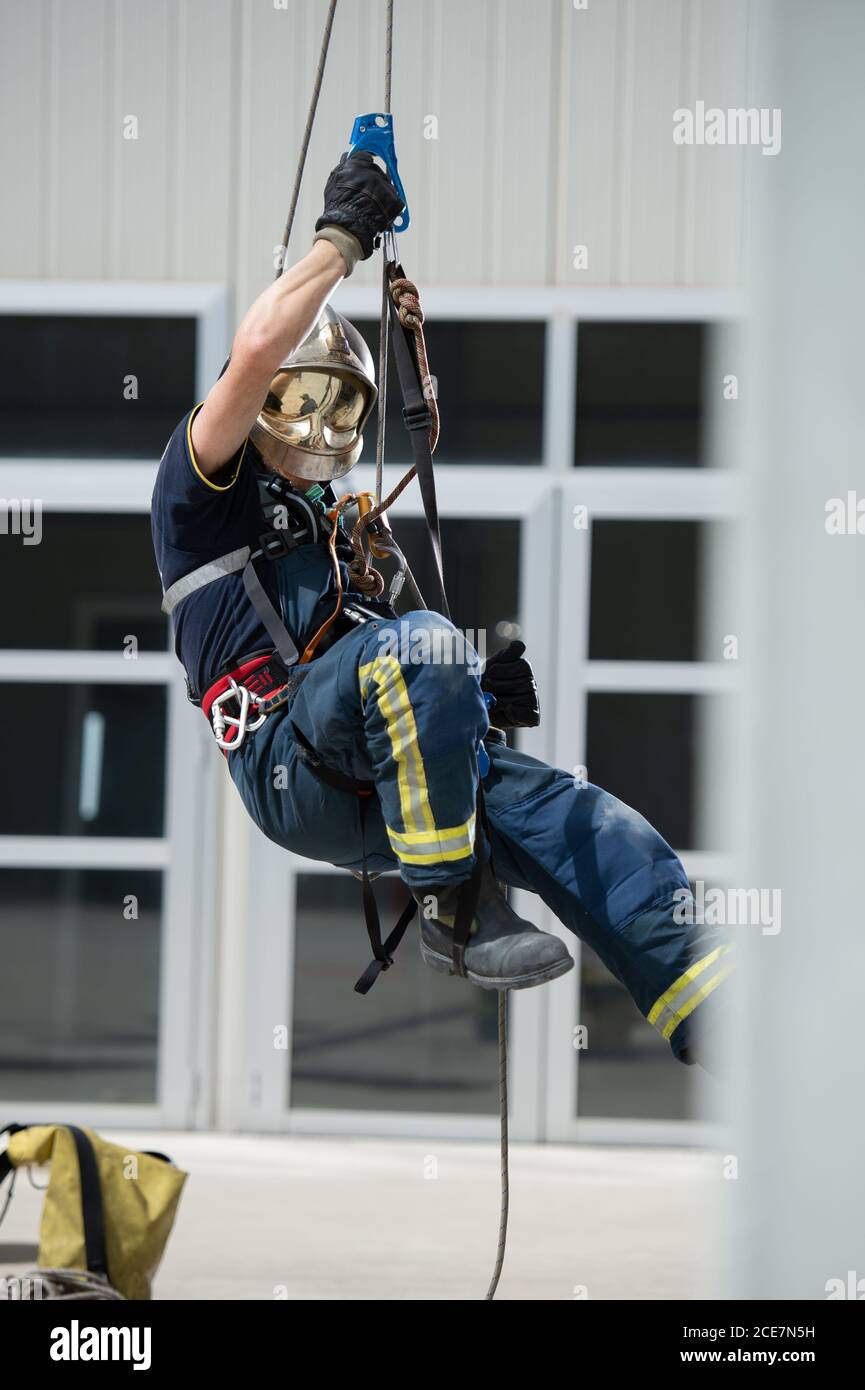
(273,327)
(359,203)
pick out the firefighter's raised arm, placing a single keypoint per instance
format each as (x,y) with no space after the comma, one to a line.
(360,202)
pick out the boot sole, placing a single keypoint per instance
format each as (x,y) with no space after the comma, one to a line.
(444,966)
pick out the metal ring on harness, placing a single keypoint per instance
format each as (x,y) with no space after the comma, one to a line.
(222,721)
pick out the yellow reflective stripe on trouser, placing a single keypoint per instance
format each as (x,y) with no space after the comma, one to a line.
(683,996)
(421,842)
(431,846)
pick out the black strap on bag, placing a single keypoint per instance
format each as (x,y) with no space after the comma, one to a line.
(7,1169)
(6,1164)
(93,1216)
(382,951)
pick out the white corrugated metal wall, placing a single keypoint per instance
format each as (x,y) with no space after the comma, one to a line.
(554,128)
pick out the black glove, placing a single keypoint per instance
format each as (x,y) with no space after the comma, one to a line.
(509,677)
(361,199)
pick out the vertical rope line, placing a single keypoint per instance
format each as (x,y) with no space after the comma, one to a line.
(384,321)
(388,55)
(322,59)
(503,1114)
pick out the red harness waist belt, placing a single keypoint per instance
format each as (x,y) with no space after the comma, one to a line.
(264,678)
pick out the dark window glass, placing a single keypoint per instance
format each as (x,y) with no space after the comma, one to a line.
(91,583)
(481,564)
(645,590)
(92,761)
(490,391)
(626,1070)
(418,1043)
(639,394)
(641,748)
(81,953)
(62,382)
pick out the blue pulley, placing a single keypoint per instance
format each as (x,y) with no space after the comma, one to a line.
(374,132)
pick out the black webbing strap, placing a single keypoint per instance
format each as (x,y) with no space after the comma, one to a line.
(469,891)
(467,902)
(417,417)
(91,1203)
(382,951)
(268,615)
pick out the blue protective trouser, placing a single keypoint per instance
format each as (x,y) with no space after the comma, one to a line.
(380,709)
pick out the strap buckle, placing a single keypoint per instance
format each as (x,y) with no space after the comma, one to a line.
(275,544)
(417,417)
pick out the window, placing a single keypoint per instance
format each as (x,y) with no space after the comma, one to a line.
(626,1071)
(481,564)
(81,964)
(419,1043)
(645,590)
(65,388)
(95,765)
(640,747)
(89,585)
(490,379)
(640,394)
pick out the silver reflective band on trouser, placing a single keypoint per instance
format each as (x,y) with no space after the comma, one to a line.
(205,574)
(688,992)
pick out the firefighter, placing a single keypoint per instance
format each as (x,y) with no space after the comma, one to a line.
(348,743)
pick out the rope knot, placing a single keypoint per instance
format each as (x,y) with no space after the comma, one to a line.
(367,579)
(406,297)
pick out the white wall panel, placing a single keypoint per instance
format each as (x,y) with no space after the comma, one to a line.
(522,147)
(716,72)
(471,40)
(145,86)
(81,131)
(25,116)
(202,215)
(554,128)
(589,137)
(280,54)
(649,171)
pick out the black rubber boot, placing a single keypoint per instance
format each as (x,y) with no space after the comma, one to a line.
(502,952)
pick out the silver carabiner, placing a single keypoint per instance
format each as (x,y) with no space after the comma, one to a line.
(222,721)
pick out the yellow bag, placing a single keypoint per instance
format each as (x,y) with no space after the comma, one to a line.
(107,1209)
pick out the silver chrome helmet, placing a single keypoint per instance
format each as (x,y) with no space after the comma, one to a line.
(319,400)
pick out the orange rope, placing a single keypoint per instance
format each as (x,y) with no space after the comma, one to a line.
(334,515)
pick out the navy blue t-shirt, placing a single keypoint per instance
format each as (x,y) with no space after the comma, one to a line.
(195,521)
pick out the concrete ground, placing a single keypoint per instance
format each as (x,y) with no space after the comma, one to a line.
(321,1219)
